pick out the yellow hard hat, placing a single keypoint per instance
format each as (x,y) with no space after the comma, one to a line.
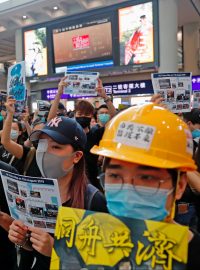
(149,135)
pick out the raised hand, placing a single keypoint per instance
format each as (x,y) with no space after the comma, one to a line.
(62,84)
(10,104)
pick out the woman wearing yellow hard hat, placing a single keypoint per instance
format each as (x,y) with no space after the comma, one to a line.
(147,151)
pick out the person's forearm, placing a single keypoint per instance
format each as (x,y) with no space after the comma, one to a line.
(5,221)
(111,108)
(28,127)
(35,116)
(5,136)
(54,107)
(12,147)
(194,180)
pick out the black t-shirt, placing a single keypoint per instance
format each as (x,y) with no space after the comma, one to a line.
(33,169)
(93,138)
(193,253)
(8,256)
(5,156)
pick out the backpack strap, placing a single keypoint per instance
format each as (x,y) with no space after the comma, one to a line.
(90,192)
(29,159)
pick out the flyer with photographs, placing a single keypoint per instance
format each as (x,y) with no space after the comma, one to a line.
(81,83)
(196,99)
(33,200)
(99,241)
(175,88)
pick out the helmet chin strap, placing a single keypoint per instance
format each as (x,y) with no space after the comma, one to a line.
(171,215)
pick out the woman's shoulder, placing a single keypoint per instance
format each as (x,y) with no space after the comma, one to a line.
(95,199)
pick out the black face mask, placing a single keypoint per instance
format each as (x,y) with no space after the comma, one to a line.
(84,121)
(60,114)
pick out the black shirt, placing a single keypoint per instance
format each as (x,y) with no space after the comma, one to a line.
(193,253)
(5,156)
(93,138)
(8,256)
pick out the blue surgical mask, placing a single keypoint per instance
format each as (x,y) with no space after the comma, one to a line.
(141,204)
(43,120)
(196,133)
(14,134)
(104,118)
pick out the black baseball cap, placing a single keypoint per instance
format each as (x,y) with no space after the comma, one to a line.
(61,106)
(63,130)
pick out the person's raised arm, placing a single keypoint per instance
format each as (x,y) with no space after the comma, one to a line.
(25,118)
(194,180)
(102,93)
(35,115)
(54,106)
(12,147)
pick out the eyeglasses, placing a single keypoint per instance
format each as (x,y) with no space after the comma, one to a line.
(154,183)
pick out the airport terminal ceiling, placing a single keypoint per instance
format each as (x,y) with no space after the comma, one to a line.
(15,14)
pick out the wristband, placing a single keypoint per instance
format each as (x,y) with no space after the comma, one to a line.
(26,241)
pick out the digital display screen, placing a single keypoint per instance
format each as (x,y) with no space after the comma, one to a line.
(83,42)
(136,34)
(35,50)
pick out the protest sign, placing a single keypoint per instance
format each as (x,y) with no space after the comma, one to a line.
(196,100)
(16,84)
(175,88)
(81,83)
(100,241)
(33,200)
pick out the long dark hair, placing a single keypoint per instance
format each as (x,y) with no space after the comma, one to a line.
(197,156)
(78,184)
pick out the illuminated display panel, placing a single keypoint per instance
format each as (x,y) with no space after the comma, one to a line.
(118,38)
(136,34)
(35,52)
(83,42)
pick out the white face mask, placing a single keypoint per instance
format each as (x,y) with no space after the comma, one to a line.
(14,134)
(51,165)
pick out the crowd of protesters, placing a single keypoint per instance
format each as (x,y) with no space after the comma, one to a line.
(81,151)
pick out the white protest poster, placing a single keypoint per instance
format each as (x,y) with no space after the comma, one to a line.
(16,82)
(196,99)
(175,88)
(81,83)
(33,200)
